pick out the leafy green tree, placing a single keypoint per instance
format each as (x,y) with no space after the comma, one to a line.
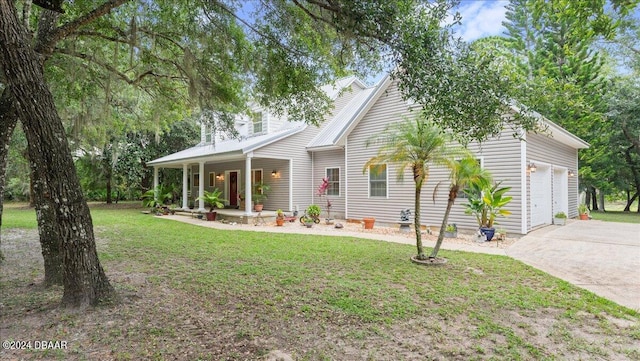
(416,144)
(280,54)
(624,112)
(554,46)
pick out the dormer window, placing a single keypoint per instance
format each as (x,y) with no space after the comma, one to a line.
(257,123)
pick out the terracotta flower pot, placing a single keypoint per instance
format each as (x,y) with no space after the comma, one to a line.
(279,222)
(584,217)
(211,216)
(258,207)
(368,222)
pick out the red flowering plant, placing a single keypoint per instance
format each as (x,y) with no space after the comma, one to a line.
(322,192)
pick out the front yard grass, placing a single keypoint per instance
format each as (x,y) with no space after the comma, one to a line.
(617,216)
(196,293)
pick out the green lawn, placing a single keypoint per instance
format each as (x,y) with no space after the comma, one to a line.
(196,293)
(617,216)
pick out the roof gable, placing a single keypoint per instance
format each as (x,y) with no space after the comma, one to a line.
(334,134)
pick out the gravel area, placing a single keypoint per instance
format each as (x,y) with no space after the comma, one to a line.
(466,241)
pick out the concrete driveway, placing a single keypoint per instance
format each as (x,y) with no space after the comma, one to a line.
(602,257)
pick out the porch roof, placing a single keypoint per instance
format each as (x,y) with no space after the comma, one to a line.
(225,150)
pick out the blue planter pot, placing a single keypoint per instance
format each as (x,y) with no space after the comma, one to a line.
(488,232)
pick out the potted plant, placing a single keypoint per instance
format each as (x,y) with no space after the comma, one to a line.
(213,200)
(368,222)
(260,191)
(583,211)
(307,221)
(279,218)
(560,218)
(322,192)
(313,211)
(451,231)
(486,203)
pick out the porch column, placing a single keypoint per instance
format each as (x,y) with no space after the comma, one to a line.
(185,186)
(201,188)
(247,185)
(155,182)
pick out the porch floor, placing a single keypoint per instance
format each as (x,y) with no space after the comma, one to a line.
(237,215)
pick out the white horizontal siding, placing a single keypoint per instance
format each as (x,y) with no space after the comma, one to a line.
(330,159)
(501,156)
(293,148)
(543,149)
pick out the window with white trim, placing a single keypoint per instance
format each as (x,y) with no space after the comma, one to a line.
(333,176)
(378,180)
(257,123)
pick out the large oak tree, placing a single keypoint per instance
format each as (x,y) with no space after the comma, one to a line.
(208,56)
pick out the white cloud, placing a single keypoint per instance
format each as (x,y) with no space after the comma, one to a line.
(481,19)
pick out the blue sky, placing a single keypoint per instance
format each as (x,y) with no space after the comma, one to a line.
(481,18)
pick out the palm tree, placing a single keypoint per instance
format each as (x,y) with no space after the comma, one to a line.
(417,144)
(464,171)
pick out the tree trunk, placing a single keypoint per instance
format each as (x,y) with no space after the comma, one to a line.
(587,197)
(418,178)
(47,224)
(453,193)
(50,235)
(85,282)
(630,201)
(635,172)
(601,200)
(416,223)
(594,198)
(109,177)
(8,122)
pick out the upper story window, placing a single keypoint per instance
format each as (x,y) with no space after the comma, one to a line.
(257,123)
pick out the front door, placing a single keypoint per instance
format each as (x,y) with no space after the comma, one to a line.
(233,188)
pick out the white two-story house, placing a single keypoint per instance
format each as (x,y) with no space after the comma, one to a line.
(293,157)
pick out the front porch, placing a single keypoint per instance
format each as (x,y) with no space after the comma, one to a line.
(236,178)
(227,215)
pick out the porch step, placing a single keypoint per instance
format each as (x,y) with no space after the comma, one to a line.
(229,216)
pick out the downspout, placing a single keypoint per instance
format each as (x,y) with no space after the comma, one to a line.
(346,178)
(291,184)
(524,198)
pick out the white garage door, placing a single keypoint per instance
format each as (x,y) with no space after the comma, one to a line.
(540,195)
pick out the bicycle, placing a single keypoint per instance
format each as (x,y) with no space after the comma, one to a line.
(305,217)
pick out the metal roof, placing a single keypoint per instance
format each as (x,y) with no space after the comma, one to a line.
(330,134)
(232,148)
